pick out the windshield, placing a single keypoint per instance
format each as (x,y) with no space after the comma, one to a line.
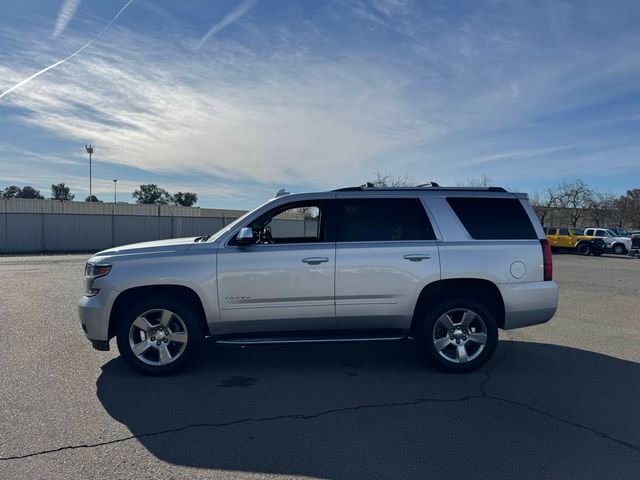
(233,224)
(610,233)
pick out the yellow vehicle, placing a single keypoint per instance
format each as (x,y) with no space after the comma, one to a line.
(568,238)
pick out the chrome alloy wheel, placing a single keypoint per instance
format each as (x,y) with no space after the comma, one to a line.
(459,335)
(158,337)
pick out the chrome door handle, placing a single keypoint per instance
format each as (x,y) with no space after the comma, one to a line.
(416,257)
(314,260)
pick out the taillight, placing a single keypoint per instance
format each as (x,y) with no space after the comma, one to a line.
(547,259)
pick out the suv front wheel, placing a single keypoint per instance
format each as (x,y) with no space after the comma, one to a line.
(159,336)
(459,335)
(619,249)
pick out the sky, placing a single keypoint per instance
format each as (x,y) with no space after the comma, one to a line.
(235,99)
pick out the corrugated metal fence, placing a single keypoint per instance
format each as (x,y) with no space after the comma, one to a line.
(38,226)
(33,226)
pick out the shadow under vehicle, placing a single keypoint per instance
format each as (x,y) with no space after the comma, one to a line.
(371,411)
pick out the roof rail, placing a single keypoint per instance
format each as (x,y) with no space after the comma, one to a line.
(430,186)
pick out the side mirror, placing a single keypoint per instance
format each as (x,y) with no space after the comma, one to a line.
(245,236)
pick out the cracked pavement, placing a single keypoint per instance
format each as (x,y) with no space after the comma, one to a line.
(557,400)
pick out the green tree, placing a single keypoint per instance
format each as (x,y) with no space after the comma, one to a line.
(61,192)
(184,199)
(29,192)
(151,194)
(12,192)
(93,199)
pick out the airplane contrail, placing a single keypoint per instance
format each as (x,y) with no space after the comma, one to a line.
(66,13)
(228,19)
(60,62)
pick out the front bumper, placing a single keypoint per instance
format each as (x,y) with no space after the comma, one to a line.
(94,313)
(527,304)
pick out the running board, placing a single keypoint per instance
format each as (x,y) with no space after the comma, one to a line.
(276,340)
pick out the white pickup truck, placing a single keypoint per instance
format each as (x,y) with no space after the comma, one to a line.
(615,244)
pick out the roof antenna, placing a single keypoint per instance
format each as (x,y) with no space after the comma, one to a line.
(428,184)
(281,192)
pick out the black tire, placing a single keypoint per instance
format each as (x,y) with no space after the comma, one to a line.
(584,249)
(191,323)
(619,249)
(426,330)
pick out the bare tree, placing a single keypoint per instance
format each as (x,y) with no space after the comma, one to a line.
(547,201)
(382,179)
(603,211)
(629,207)
(483,181)
(577,198)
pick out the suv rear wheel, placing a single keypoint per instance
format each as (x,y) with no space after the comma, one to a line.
(458,335)
(159,336)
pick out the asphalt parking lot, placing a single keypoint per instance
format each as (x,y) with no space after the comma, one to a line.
(557,401)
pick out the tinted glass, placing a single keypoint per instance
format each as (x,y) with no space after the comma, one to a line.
(564,231)
(389,219)
(493,218)
(577,231)
(600,233)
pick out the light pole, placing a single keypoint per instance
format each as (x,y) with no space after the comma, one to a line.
(89,149)
(115,190)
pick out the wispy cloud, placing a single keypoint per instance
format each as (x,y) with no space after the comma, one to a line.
(160,110)
(433,94)
(227,20)
(65,14)
(69,57)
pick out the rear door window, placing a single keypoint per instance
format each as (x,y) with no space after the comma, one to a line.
(380,220)
(564,231)
(493,218)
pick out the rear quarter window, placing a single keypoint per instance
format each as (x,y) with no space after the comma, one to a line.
(493,218)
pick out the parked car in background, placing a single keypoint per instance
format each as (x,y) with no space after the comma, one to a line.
(447,267)
(615,244)
(568,239)
(635,244)
(620,232)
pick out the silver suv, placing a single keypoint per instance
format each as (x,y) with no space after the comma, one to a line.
(445,267)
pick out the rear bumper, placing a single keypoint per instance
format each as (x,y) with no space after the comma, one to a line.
(528,303)
(94,313)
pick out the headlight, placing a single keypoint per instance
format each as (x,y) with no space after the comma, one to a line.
(96,270)
(91,272)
